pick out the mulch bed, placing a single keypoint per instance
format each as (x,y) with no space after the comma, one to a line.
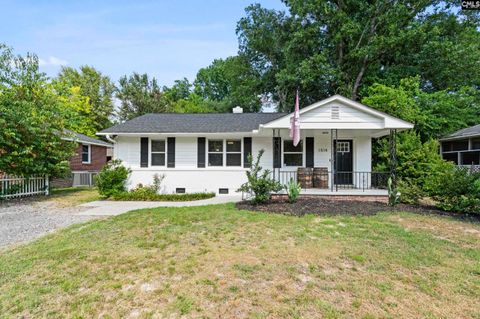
(334,207)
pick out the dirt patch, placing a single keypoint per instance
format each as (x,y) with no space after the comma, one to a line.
(336,207)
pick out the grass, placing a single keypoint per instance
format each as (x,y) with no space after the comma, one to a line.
(218,262)
(72,196)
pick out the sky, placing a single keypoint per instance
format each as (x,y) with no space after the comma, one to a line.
(166,39)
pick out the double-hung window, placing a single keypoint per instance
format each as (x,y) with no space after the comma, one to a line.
(225,151)
(86,153)
(292,155)
(234,152)
(157,152)
(215,152)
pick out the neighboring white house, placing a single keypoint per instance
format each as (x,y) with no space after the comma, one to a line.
(208,152)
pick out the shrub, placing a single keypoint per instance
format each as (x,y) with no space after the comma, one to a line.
(146,194)
(393,193)
(459,191)
(111,179)
(259,183)
(410,193)
(293,190)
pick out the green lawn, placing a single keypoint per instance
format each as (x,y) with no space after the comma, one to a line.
(217,262)
(72,196)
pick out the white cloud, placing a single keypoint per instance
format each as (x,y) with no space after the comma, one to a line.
(52,61)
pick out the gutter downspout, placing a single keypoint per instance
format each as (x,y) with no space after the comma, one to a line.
(107,136)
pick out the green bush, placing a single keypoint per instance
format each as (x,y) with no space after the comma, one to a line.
(410,193)
(293,190)
(111,179)
(146,194)
(259,183)
(458,190)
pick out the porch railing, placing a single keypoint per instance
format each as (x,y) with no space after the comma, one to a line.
(341,180)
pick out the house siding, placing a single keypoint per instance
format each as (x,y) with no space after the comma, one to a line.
(97,160)
(187,175)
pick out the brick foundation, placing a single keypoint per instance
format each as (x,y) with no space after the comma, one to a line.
(333,197)
(61,182)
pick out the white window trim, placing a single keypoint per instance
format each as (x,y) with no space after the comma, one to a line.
(150,152)
(224,152)
(302,152)
(239,152)
(89,154)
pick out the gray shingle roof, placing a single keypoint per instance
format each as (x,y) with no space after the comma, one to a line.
(80,138)
(194,123)
(469,131)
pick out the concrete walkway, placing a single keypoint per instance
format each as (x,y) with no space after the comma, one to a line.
(112,208)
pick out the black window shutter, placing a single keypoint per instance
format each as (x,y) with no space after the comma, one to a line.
(144,152)
(277,152)
(171,152)
(201,152)
(247,150)
(309,149)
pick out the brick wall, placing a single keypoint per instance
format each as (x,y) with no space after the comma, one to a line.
(360,198)
(98,159)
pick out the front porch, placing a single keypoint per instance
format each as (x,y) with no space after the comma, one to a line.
(322,182)
(334,155)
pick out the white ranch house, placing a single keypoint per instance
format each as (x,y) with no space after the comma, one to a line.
(208,152)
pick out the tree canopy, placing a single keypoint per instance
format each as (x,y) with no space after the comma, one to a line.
(32,119)
(325,47)
(98,89)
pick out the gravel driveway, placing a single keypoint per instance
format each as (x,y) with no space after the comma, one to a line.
(22,221)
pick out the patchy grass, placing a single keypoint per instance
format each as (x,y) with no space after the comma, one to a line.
(218,262)
(72,196)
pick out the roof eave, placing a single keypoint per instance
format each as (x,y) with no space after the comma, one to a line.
(451,138)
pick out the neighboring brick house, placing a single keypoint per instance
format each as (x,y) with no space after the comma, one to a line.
(90,156)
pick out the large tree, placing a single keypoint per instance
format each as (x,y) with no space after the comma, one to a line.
(325,47)
(32,119)
(97,87)
(139,94)
(231,82)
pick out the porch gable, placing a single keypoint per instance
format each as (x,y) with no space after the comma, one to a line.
(338,112)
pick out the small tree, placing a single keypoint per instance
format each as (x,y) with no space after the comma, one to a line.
(393,194)
(259,183)
(111,179)
(293,190)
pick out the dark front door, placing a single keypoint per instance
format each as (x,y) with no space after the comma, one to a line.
(343,162)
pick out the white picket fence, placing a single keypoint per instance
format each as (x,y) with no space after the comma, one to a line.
(16,186)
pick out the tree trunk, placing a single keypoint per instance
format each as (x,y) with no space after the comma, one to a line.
(359,78)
